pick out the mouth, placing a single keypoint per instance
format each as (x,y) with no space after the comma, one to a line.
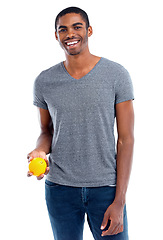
(72,43)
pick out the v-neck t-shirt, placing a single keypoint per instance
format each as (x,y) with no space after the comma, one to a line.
(83,150)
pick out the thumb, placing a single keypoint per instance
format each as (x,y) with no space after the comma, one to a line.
(105,220)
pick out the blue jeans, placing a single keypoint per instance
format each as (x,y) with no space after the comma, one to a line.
(67,207)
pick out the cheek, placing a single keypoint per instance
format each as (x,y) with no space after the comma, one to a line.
(85,39)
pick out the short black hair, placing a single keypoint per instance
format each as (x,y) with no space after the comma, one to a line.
(73,10)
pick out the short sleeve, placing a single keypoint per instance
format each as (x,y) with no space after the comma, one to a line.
(38,99)
(123,87)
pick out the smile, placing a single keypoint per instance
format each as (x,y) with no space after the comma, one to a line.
(73,43)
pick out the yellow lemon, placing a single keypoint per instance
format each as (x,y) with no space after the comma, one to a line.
(37,166)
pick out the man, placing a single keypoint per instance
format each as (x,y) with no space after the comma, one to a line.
(78,100)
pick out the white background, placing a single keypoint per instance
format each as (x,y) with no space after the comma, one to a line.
(127,32)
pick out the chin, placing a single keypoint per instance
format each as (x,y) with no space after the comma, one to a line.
(73,54)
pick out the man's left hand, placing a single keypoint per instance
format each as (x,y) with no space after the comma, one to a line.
(114,213)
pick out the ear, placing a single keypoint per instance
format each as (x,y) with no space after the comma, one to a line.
(56,36)
(90,31)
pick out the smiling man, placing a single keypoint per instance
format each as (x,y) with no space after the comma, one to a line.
(74,43)
(78,101)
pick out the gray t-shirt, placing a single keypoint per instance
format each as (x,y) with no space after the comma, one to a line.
(83,151)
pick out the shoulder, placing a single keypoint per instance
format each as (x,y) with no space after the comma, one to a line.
(114,67)
(49,74)
(118,74)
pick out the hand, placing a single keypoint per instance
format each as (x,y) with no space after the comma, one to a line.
(114,213)
(37,153)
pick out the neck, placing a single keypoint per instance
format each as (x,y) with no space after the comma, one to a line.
(78,62)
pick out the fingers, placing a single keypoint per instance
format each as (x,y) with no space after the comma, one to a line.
(109,231)
(118,229)
(29,174)
(47,171)
(30,159)
(47,162)
(105,220)
(115,228)
(114,214)
(40,177)
(35,154)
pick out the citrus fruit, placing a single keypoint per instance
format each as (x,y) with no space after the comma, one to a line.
(37,166)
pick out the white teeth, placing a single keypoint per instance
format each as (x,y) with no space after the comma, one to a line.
(71,43)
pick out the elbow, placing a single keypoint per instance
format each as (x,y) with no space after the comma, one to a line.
(129,140)
(47,131)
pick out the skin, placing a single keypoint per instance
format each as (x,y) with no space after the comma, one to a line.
(43,144)
(79,61)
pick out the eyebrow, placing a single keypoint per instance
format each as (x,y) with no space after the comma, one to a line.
(78,23)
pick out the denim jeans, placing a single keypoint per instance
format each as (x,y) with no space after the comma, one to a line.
(67,207)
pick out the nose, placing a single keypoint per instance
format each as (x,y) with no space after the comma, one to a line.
(70,33)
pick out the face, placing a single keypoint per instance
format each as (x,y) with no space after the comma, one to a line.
(72,33)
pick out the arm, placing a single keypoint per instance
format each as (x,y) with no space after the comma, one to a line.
(125,144)
(45,138)
(43,144)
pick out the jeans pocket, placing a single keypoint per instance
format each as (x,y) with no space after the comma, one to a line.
(51,184)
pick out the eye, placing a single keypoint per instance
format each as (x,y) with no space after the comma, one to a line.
(62,30)
(76,28)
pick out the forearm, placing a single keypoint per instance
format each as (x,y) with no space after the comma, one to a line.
(124,164)
(44,142)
